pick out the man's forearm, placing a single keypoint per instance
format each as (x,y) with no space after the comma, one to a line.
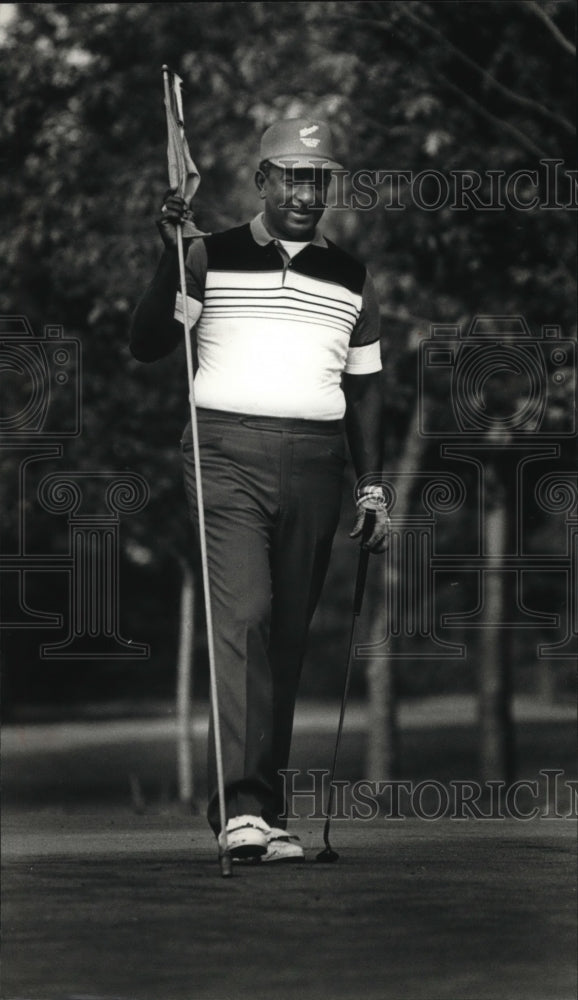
(364,421)
(154,332)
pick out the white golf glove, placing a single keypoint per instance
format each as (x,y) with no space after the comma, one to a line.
(371,500)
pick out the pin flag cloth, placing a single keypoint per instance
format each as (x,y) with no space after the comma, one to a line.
(183,173)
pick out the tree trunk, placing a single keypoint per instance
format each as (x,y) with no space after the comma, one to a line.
(496,750)
(185,756)
(546,682)
(382,750)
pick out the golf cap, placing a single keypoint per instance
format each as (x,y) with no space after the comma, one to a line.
(299,143)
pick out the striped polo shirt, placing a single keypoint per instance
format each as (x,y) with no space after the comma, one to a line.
(274,332)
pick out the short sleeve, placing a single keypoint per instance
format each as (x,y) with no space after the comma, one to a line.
(364,354)
(196,273)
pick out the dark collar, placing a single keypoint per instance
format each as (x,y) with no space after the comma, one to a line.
(262,236)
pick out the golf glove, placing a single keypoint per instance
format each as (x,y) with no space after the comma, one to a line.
(372,499)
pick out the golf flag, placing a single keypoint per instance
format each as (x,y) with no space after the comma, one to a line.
(183,173)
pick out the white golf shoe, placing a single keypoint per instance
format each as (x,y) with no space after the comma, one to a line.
(246,837)
(282,846)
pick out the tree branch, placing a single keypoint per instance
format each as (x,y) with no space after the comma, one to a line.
(518,99)
(554,30)
(521,138)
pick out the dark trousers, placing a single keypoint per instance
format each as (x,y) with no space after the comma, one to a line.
(272,493)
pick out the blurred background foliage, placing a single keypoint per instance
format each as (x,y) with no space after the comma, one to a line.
(406,86)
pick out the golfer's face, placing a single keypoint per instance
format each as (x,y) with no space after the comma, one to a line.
(295,201)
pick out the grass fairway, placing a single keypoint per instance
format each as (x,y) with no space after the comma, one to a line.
(136,908)
(103,903)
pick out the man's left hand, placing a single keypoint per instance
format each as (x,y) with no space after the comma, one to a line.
(371,501)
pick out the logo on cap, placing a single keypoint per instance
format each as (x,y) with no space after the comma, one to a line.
(299,143)
(304,135)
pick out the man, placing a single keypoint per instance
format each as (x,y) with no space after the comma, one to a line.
(287,339)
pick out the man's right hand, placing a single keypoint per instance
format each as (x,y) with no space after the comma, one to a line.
(174,211)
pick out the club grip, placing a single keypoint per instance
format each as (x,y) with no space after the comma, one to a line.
(368,526)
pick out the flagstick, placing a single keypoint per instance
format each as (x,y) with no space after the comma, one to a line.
(224,856)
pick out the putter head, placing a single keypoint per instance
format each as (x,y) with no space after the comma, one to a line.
(328,855)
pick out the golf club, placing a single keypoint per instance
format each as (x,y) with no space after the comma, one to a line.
(328,854)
